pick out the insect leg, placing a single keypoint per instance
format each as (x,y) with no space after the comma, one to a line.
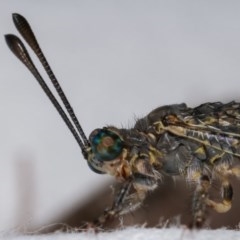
(116,206)
(227,194)
(112,211)
(199,201)
(127,199)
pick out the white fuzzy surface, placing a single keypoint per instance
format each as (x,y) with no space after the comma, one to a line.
(137,234)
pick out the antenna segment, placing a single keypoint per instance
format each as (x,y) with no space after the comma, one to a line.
(19,50)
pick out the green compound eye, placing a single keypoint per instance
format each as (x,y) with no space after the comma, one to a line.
(106,145)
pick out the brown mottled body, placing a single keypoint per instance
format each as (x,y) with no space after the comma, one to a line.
(200,144)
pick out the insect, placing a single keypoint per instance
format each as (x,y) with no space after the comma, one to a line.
(200,144)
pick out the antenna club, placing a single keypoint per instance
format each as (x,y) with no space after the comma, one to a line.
(18,48)
(17,17)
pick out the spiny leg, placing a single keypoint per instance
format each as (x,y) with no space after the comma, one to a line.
(109,212)
(132,192)
(199,201)
(224,171)
(116,206)
(124,202)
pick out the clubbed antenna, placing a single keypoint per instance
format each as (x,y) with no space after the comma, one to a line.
(18,48)
(25,30)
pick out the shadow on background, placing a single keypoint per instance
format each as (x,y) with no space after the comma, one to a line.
(170,204)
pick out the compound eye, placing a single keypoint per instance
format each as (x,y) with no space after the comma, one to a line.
(106,145)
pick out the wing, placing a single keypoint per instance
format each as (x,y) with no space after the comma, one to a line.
(223,118)
(214,125)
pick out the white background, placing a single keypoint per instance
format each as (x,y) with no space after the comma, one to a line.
(115,60)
